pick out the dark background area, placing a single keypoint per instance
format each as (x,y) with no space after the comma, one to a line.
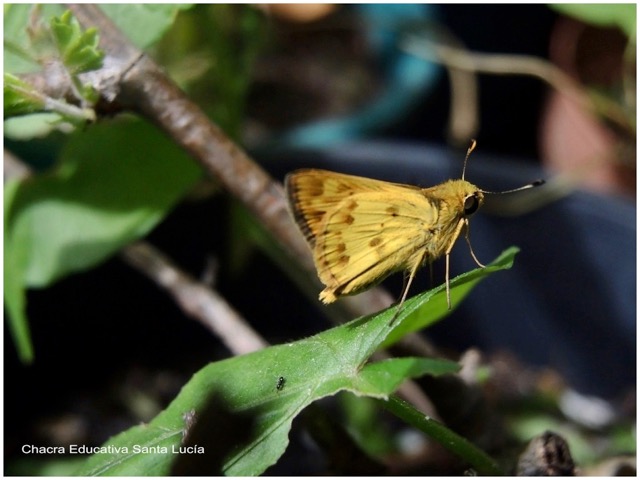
(512,29)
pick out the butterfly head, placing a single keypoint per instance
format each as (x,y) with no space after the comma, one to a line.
(474,196)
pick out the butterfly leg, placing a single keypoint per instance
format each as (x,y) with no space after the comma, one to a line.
(412,275)
(454,237)
(466,237)
(407,285)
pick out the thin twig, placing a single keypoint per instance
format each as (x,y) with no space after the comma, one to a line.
(196,299)
(499,64)
(143,87)
(200,302)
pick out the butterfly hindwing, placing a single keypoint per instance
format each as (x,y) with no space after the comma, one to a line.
(370,235)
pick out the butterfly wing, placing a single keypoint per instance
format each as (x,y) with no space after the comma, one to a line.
(370,236)
(313,193)
(360,230)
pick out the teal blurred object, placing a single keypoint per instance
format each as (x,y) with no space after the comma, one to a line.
(408,79)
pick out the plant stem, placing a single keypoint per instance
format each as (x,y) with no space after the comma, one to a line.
(479,461)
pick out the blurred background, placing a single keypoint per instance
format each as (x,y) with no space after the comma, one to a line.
(394,92)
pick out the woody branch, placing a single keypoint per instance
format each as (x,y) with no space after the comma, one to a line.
(132,81)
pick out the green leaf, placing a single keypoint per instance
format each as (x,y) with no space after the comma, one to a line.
(422,314)
(23,53)
(16,251)
(143,23)
(28,127)
(78,48)
(362,418)
(242,419)
(56,36)
(385,376)
(43,466)
(621,15)
(20,97)
(115,182)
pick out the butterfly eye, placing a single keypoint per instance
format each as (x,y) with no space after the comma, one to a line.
(471,204)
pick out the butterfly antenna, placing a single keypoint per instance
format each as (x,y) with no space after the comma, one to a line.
(537,183)
(469,150)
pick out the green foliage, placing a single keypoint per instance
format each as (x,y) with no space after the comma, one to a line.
(38,37)
(43,466)
(27,43)
(423,314)
(114,183)
(621,15)
(70,220)
(479,461)
(363,422)
(15,262)
(243,419)
(20,98)
(588,446)
(144,24)
(78,49)
(60,42)
(210,52)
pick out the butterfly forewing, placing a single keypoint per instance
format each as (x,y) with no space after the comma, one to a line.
(312,193)
(361,230)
